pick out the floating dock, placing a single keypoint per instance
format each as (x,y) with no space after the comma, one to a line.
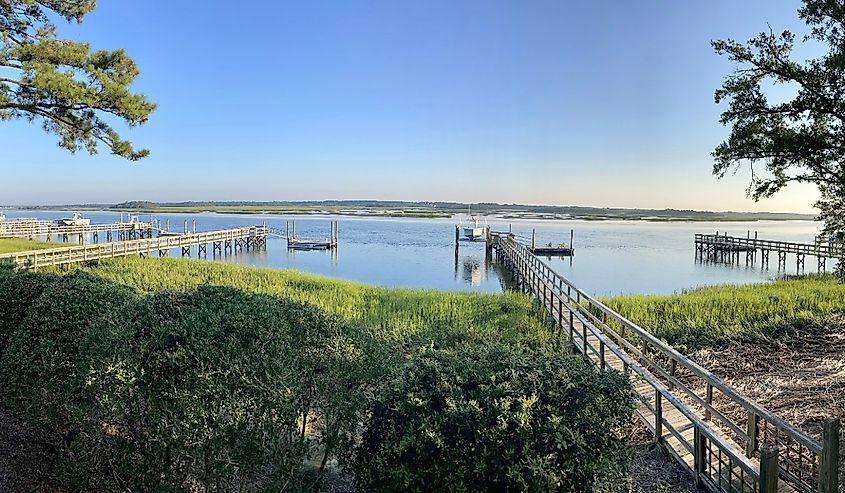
(295,243)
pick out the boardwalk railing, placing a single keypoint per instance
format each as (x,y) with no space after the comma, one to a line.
(738,242)
(30,229)
(729,443)
(248,237)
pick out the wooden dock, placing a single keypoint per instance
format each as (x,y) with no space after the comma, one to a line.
(295,243)
(728,442)
(729,249)
(222,242)
(48,230)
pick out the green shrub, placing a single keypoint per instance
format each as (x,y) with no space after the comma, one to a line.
(18,290)
(38,370)
(220,389)
(495,419)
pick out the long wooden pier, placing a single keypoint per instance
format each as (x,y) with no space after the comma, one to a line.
(50,229)
(726,248)
(222,241)
(728,442)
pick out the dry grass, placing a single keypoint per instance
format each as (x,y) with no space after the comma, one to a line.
(652,470)
(801,379)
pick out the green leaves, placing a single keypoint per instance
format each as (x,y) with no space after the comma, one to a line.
(73,91)
(799,140)
(495,419)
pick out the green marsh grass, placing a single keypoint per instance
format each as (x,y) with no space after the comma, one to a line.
(10,245)
(728,314)
(397,315)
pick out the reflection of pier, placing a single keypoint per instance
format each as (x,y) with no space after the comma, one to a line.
(729,249)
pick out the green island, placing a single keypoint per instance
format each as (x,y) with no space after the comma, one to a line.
(153,373)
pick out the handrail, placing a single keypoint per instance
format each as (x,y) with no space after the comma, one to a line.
(122,248)
(593,314)
(816,249)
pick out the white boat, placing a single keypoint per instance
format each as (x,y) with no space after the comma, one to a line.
(474,230)
(75,220)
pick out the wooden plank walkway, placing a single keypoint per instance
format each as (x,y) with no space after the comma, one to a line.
(49,229)
(726,248)
(253,237)
(728,442)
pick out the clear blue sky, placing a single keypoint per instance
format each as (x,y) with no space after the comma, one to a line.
(600,103)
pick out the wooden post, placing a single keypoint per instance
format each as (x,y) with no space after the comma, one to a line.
(457,236)
(752,430)
(673,369)
(572,239)
(829,460)
(533,232)
(699,456)
(658,416)
(510,228)
(707,414)
(195,225)
(768,469)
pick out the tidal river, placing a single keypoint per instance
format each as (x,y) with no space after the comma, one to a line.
(612,257)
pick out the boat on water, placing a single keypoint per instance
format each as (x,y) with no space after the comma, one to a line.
(75,220)
(474,230)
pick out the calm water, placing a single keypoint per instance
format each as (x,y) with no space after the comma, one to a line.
(612,257)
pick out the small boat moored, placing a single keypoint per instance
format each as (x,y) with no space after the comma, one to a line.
(75,220)
(474,230)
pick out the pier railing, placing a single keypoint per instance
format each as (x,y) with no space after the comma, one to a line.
(30,229)
(729,442)
(34,259)
(738,242)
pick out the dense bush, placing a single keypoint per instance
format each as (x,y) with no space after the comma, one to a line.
(495,419)
(17,293)
(38,369)
(220,389)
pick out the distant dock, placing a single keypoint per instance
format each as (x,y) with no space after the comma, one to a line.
(295,243)
(729,249)
(222,241)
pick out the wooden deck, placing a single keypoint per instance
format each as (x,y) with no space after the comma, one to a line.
(229,240)
(726,248)
(728,442)
(49,229)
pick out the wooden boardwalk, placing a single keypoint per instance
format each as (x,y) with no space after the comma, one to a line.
(728,442)
(726,248)
(223,241)
(49,229)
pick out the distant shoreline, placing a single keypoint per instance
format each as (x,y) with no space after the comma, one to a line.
(436,211)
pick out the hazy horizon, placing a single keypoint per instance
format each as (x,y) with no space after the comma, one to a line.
(598,104)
